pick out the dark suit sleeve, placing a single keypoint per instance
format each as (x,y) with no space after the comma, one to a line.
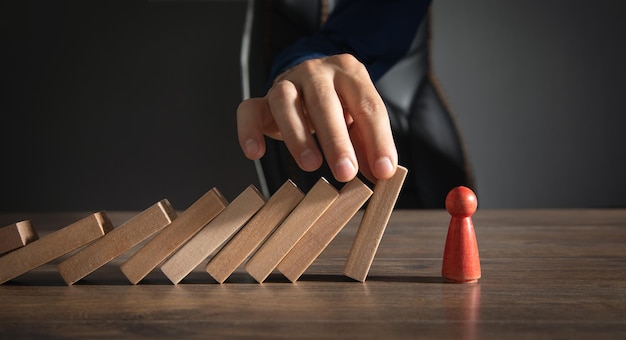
(377,32)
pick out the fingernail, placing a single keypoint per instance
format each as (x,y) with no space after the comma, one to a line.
(383,167)
(344,169)
(251,147)
(310,160)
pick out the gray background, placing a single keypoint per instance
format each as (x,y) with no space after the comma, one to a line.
(111,105)
(538,88)
(118,104)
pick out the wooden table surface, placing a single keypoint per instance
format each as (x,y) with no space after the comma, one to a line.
(545,274)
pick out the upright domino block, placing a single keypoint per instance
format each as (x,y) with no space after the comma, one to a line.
(312,206)
(16,236)
(214,234)
(235,252)
(351,198)
(53,246)
(163,244)
(118,241)
(373,225)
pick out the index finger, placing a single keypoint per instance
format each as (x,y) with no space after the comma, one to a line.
(362,101)
(327,116)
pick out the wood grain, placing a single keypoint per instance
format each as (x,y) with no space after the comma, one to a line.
(16,236)
(53,246)
(116,242)
(373,225)
(213,235)
(235,252)
(312,206)
(547,274)
(163,244)
(351,197)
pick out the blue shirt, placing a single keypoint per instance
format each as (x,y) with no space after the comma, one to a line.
(377,32)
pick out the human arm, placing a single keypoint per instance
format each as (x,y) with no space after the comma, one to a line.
(324,83)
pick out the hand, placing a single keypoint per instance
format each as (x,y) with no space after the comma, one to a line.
(334,98)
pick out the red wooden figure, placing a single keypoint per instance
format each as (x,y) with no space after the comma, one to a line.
(461,262)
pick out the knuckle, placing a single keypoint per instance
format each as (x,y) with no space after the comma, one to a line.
(281,91)
(243,108)
(348,62)
(310,66)
(371,107)
(336,143)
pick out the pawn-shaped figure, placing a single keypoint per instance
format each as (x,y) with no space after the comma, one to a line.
(461,262)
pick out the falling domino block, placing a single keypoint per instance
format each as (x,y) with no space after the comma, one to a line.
(16,236)
(163,244)
(312,206)
(351,198)
(116,242)
(53,246)
(213,235)
(373,225)
(235,252)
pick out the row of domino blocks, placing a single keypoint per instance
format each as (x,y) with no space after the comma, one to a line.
(287,232)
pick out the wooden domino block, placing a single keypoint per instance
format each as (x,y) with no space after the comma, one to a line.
(213,235)
(116,242)
(163,244)
(16,235)
(235,252)
(373,225)
(53,246)
(351,198)
(312,206)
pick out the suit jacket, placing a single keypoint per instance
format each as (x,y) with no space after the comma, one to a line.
(391,38)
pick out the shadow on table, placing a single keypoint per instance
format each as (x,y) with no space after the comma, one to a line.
(374,278)
(112,278)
